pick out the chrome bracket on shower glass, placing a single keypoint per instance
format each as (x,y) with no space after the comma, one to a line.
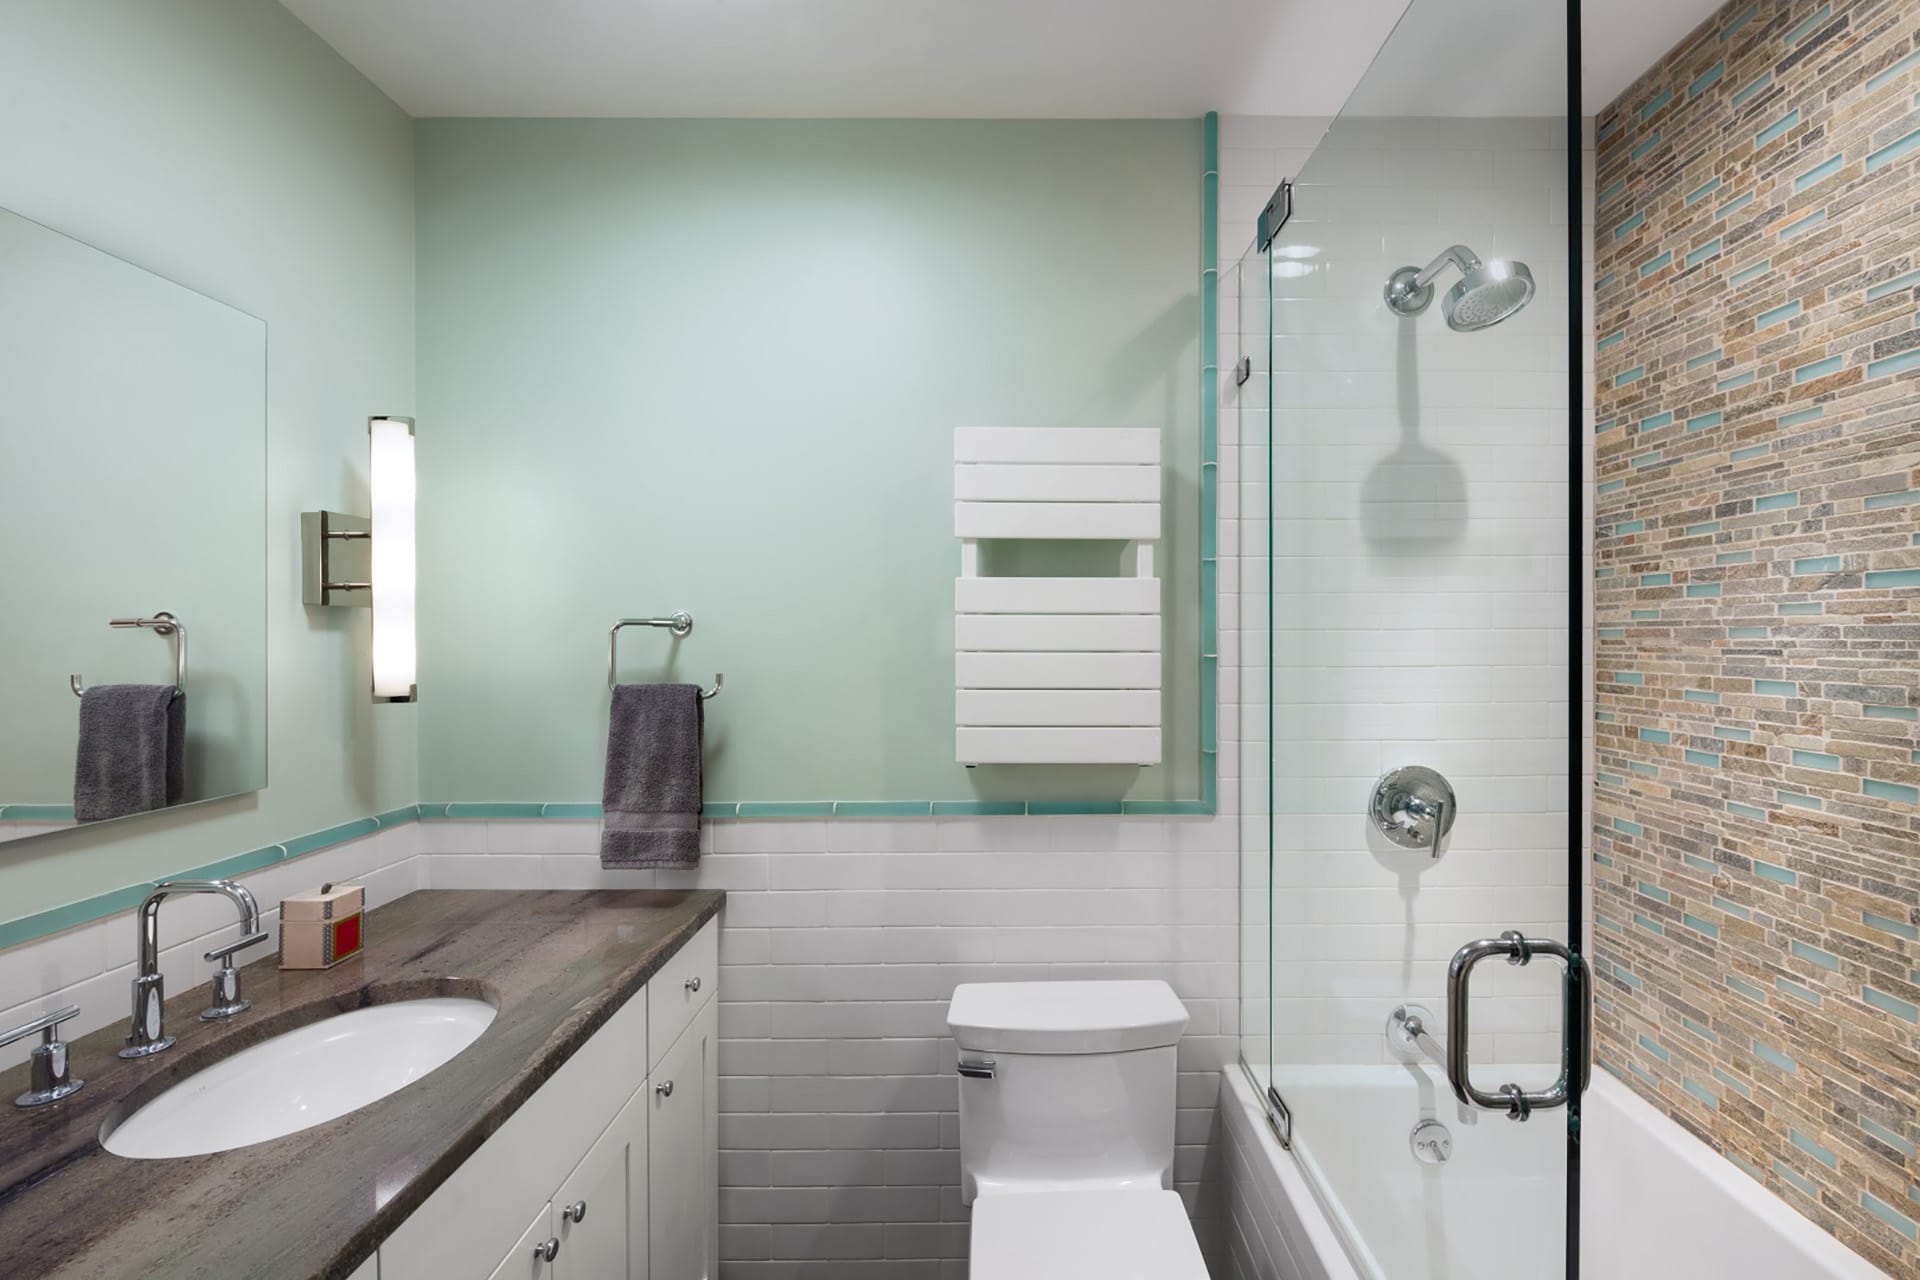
(1576,1026)
(1275,215)
(1280,1116)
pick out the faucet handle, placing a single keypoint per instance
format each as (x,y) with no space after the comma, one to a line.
(227,1000)
(46,1022)
(50,1081)
(227,952)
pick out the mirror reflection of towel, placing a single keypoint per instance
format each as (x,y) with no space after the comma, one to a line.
(132,752)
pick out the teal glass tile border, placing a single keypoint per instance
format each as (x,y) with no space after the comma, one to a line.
(784,809)
(472,811)
(36,813)
(71,915)
(883,809)
(979,808)
(570,811)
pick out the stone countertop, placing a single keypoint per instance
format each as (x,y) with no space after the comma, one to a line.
(319,1202)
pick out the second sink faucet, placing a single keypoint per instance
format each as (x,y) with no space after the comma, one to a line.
(147,1035)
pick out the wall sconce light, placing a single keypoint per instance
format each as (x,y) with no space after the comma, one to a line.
(354,562)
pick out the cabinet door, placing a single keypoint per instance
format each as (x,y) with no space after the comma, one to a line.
(601,1211)
(681,1164)
(528,1259)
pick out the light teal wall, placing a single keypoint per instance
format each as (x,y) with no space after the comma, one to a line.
(156,396)
(223,145)
(716,365)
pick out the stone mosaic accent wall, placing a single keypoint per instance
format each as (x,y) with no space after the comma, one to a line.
(1757,593)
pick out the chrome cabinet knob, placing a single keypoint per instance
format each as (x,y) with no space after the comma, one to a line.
(547,1250)
(576,1212)
(693,983)
(664,1088)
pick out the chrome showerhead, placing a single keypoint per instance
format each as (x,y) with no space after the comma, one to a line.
(1486,294)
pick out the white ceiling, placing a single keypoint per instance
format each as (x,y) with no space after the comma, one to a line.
(974,58)
(1628,36)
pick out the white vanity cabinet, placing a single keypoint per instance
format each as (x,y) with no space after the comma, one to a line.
(610,1170)
(681,1157)
(528,1258)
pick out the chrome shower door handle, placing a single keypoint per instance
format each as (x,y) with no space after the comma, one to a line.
(1576,1026)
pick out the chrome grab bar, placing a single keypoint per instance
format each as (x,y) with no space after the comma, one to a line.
(1576,1026)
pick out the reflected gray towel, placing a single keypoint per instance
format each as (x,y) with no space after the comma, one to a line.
(650,805)
(132,752)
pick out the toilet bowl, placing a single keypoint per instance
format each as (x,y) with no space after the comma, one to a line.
(1066,1131)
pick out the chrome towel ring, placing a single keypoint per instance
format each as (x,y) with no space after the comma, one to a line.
(679,622)
(162,624)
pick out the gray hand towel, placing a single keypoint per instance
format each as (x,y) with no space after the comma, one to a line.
(132,752)
(650,806)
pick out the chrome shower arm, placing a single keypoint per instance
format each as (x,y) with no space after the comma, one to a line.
(1459,255)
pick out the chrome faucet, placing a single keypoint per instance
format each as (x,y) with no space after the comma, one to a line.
(147,1035)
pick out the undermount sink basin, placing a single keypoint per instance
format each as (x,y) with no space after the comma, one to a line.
(307,1076)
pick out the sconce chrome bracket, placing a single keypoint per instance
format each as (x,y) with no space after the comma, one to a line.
(335,568)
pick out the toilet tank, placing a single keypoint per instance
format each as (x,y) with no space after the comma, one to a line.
(1065,1085)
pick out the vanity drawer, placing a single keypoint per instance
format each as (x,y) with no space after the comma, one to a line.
(676,993)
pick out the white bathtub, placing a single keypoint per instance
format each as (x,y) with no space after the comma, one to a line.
(1656,1204)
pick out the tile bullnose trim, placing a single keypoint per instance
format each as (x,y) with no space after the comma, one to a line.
(83,911)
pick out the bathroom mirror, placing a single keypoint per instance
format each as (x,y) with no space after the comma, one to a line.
(132,485)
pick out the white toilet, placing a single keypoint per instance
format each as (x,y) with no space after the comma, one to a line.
(1066,1131)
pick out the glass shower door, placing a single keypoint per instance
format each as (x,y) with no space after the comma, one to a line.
(1414,740)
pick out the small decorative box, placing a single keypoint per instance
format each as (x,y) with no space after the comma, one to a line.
(319,930)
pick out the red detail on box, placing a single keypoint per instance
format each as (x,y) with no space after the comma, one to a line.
(346,937)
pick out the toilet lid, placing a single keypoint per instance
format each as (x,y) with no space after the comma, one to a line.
(1084,1235)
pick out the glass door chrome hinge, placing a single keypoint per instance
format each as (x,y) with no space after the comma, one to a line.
(1275,215)
(1280,1117)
